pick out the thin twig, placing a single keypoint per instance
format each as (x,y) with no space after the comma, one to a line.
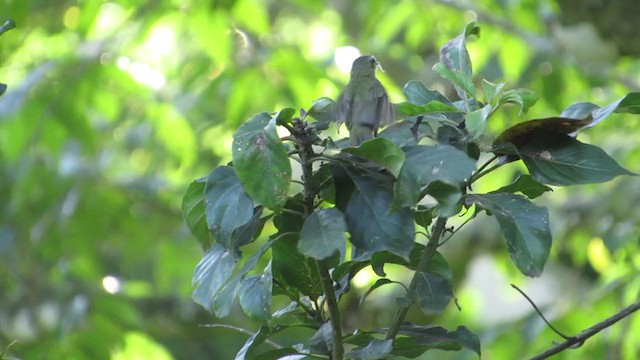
(540,314)
(8,25)
(478,175)
(455,231)
(241,330)
(579,339)
(427,255)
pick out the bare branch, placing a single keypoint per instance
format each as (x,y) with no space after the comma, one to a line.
(540,314)
(579,339)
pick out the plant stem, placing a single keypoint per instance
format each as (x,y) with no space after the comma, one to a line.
(306,158)
(427,255)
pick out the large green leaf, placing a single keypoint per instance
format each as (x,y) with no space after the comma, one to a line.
(437,265)
(433,293)
(401,133)
(422,338)
(418,94)
(523,224)
(254,342)
(476,121)
(223,300)
(425,164)
(323,233)
(524,98)
(294,270)
(323,111)
(372,226)
(455,63)
(409,109)
(227,205)
(380,151)
(261,162)
(211,273)
(255,295)
(374,350)
(558,159)
(193,212)
(526,185)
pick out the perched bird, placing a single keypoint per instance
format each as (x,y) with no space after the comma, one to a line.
(364,105)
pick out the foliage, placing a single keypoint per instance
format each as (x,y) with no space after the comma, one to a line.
(112,108)
(378,194)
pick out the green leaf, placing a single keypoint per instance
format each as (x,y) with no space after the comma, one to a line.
(476,121)
(323,233)
(249,231)
(401,134)
(525,98)
(491,90)
(261,162)
(322,341)
(374,350)
(372,226)
(409,109)
(253,343)
(211,273)
(378,283)
(461,81)
(433,293)
(323,111)
(293,218)
(223,299)
(227,205)
(629,104)
(438,265)
(558,159)
(422,338)
(255,295)
(418,94)
(194,214)
(284,116)
(579,111)
(293,269)
(525,184)
(455,63)
(426,164)
(423,215)
(380,151)
(448,197)
(523,224)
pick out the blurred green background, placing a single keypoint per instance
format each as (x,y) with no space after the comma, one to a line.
(113,108)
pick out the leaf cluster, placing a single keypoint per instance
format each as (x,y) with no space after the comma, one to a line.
(362,206)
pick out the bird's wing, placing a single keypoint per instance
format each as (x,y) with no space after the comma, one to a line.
(384,109)
(344,104)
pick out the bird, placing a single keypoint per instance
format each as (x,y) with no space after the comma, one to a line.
(364,105)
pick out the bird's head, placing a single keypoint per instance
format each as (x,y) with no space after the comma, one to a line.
(364,66)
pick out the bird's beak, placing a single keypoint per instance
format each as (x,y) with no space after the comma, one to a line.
(377,64)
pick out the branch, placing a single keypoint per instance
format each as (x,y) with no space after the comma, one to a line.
(540,314)
(306,157)
(579,339)
(427,255)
